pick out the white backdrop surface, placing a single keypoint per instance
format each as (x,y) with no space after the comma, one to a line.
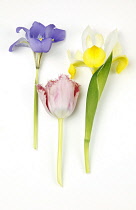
(28,177)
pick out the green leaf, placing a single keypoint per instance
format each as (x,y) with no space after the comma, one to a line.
(95,89)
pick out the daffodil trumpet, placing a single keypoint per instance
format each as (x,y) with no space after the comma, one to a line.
(95,90)
(59,98)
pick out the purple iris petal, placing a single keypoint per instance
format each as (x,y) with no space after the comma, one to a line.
(58,35)
(22,42)
(25,29)
(49,31)
(40,46)
(37,29)
(19,28)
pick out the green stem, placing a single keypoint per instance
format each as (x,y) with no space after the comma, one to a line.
(86,156)
(59,160)
(35,143)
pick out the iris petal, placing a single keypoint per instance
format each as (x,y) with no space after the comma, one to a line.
(40,46)
(110,42)
(88,38)
(22,42)
(121,63)
(99,40)
(49,31)
(58,35)
(19,28)
(37,29)
(72,71)
(94,57)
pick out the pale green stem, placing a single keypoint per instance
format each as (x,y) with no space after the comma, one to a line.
(86,156)
(59,160)
(35,143)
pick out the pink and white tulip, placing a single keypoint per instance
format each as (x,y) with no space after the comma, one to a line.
(59,97)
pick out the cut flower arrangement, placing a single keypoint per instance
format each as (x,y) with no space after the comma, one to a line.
(59,97)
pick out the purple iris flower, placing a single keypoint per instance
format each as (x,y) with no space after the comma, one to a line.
(39,37)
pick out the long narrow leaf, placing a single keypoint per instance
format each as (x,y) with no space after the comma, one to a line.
(95,89)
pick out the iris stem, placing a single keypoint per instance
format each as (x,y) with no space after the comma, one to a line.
(59,160)
(86,156)
(35,143)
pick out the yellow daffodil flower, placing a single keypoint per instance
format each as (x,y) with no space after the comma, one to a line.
(96,51)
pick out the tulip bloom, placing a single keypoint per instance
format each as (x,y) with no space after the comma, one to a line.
(39,38)
(59,98)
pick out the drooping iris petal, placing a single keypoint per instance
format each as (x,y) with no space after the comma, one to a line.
(72,71)
(49,31)
(21,28)
(76,59)
(110,42)
(94,57)
(25,29)
(40,46)
(58,35)
(121,63)
(22,42)
(37,29)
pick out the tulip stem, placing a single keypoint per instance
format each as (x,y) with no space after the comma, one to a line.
(59,160)
(35,143)
(86,156)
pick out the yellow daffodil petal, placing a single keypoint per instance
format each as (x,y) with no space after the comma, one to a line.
(94,57)
(122,62)
(72,71)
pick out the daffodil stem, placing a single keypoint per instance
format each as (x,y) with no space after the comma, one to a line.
(86,156)
(59,160)
(35,143)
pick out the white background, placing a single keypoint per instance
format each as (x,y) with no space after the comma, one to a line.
(28,177)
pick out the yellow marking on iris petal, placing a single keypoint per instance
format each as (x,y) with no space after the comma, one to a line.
(94,57)
(122,62)
(41,39)
(52,40)
(72,71)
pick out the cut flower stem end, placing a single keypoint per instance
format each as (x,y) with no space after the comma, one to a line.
(59,160)
(86,156)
